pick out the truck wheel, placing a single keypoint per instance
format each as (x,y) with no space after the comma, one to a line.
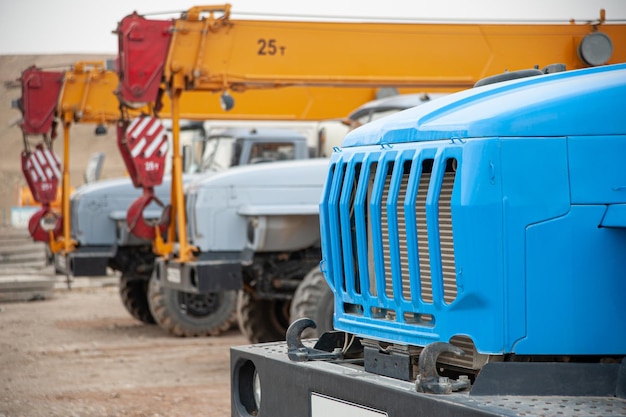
(133,293)
(314,299)
(262,320)
(192,315)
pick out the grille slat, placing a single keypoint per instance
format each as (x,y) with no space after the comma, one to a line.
(397,213)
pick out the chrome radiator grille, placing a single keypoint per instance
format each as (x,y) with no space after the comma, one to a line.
(445,238)
(395,239)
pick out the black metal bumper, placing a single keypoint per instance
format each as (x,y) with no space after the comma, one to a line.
(202,276)
(84,262)
(320,388)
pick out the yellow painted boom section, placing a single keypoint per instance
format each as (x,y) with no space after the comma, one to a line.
(88,95)
(289,103)
(218,54)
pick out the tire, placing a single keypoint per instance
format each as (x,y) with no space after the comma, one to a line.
(134,295)
(191,315)
(314,299)
(262,320)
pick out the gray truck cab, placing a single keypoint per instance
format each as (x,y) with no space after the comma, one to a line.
(256,230)
(98,210)
(242,146)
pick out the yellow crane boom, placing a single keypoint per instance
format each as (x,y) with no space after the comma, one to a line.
(206,50)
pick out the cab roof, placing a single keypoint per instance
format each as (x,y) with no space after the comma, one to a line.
(396,102)
(262,133)
(571,103)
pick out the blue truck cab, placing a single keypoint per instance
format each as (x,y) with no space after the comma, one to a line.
(496,214)
(476,249)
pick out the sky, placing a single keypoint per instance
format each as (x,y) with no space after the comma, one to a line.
(85,26)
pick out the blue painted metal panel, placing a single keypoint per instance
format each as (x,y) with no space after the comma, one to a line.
(575,285)
(579,100)
(615,216)
(535,270)
(597,166)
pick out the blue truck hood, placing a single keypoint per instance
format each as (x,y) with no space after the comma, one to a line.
(578,99)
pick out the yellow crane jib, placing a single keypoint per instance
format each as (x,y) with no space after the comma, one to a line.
(206,50)
(82,94)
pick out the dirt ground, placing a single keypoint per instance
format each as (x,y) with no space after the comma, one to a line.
(79,353)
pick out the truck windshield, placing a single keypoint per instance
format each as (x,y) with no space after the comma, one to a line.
(192,145)
(269,152)
(222,152)
(218,153)
(193,141)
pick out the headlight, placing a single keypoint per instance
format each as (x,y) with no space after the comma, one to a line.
(253,223)
(247,386)
(256,389)
(49,221)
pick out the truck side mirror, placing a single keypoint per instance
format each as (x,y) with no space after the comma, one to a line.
(94,167)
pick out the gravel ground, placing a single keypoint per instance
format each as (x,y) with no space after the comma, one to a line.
(79,353)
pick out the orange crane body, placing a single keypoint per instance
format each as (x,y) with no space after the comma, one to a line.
(206,50)
(82,94)
(85,93)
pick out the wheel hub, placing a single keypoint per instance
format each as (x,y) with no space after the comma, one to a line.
(199,305)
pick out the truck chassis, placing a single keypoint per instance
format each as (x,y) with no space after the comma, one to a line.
(343,387)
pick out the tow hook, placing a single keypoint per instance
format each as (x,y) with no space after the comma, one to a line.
(297,352)
(428,380)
